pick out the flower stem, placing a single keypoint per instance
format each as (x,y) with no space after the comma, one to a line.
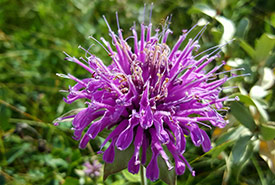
(90,149)
(258,168)
(142,175)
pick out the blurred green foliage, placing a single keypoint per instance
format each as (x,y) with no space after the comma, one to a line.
(33,35)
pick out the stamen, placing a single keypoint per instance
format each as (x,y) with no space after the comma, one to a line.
(151,10)
(110,30)
(69,57)
(201,32)
(232,70)
(236,76)
(73,59)
(117,21)
(164,38)
(192,28)
(62,75)
(91,37)
(86,51)
(220,48)
(144,12)
(77,80)
(164,26)
(63,91)
(169,21)
(204,124)
(209,49)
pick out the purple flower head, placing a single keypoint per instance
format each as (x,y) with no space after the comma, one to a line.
(151,96)
(92,170)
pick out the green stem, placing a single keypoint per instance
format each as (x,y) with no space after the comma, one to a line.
(259,170)
(142,175)
(91,149)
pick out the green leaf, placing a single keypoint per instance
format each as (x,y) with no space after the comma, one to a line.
(232,135)
(20,152)
(263,47)
(242,114)
(218,149)
(131,177)
(168,176)
(246,47)
(248,101)
(228,29)
(260,107)
(267,130)
(257,92)
(228,25)
(266,151)
(242,27)
(2,179)
(214,151)
(244,98)
(237,166)
(217,34)
(70,181)
(55,162)
(203,8)
(5,114)
(239,149)
(120,161)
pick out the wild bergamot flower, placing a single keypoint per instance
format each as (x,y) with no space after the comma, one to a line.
(92,169)
(151,96)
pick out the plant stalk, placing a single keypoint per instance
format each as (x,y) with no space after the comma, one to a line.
(142,176)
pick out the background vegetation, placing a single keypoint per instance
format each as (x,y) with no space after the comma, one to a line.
(33,35)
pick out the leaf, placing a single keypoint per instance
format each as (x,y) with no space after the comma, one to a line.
(237,167)
(120,161)
(217,34)
(228,29)
(267,152)
(261,108)
(218,149)
(249,50)
(232,135)
(228,25)
(240,148)
(268,78)
(5,114)
(55,162)
(70,181)
(263,47)
(20,152)
(267,130)
(244,98)
(214,151)
(131,177)
(2,179)
(242,27)
(257,92)
(248,101)
(168,176)
(242,114)
(203,8)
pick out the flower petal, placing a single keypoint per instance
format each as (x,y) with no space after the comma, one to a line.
(206,144)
